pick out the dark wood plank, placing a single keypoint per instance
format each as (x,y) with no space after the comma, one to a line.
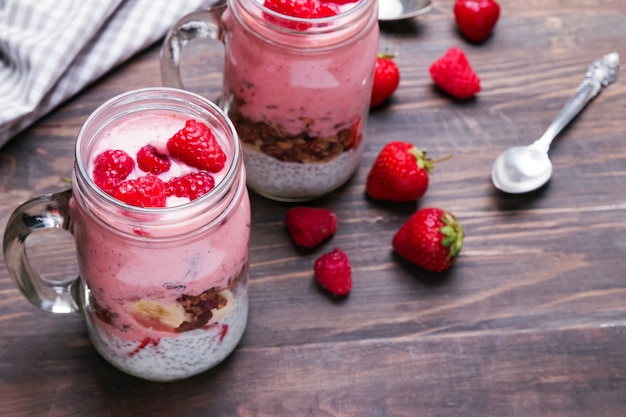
(554,373)
(531,321)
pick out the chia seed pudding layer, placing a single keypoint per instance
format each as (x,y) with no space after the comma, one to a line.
(174,356)
(292,181)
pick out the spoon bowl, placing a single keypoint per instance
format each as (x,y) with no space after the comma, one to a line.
(390,10)
(521,169)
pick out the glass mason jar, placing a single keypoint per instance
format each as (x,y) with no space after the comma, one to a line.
(297,90)
(163,290)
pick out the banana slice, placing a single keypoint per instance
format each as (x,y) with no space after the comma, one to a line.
(227,301)
(171,315)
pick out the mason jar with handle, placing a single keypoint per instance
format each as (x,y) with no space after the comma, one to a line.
(163,290)
(297,89)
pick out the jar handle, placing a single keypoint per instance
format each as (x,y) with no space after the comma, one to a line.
(45,212)
(200,24)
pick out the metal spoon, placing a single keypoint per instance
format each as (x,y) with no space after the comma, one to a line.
(389,10)
(521,169)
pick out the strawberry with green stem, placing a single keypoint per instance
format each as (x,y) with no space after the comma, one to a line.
(400,173)
(431,238)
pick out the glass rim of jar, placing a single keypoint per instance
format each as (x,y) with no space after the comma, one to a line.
(314,26)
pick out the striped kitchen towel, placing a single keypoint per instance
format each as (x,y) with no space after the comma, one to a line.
(51,49)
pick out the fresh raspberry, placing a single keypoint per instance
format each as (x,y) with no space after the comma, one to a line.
(453,74)
(326,10)
(149,160)
(146,191)
(196,146)
(293,8)
(112,167)
(309,226)
(333,272)
(192,185)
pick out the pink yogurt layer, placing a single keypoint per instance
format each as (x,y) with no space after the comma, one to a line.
(302,87)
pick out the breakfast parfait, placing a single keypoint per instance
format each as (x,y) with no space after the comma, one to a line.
(298,79)
(164,273)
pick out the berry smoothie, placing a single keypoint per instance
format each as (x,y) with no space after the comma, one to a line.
(163,276)
(299,95)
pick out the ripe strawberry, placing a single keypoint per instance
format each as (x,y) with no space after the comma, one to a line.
(386,79)
(400,173)
(476,18)
(146,191)
(309,226)
(192,185)
(196,146)
(333,272)
(431,238)
(453,74)
(112,167)
(149,160)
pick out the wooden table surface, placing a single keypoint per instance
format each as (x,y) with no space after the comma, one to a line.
(531,321)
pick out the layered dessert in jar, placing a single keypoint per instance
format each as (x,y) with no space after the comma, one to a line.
(163,244)
(298,90)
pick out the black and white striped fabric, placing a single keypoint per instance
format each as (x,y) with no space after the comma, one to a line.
(51,49)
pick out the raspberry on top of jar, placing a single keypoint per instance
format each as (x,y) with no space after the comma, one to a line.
(306,9)
(143,167)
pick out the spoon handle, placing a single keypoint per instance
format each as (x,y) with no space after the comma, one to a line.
(600,73)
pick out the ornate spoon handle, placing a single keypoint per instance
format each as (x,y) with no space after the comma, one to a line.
(600,73)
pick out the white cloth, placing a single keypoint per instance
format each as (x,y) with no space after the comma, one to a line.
(51,49)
